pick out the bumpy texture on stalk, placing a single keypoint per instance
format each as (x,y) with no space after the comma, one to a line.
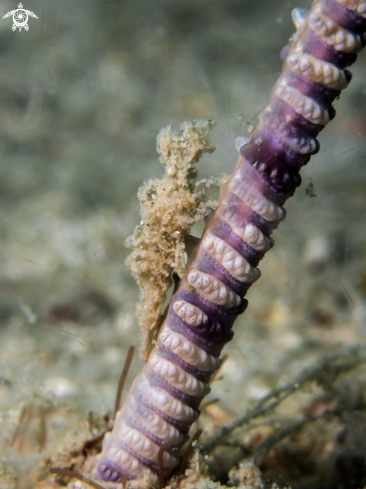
(165,397)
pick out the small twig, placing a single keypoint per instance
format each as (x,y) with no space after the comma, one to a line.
(273,439)
(94,441)
(21,419)
(162,449)
(97,439)
(122,379)
(75,474)
(188,452)
(42,428)
(124,481)
(106,418)
(25,417)
(91,421)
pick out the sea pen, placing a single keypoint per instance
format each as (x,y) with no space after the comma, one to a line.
(164,399)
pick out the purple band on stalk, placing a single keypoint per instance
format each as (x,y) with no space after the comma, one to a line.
(274,154)
(172,449)
(181,426)
(283,109)
(253,217)
(223,230)
(318,92)
(148,463)
(217,313)
(143,410)
(274,147)
(348,19)
(276,169)
(206,263)
(314,45)
(210,337)
(157,380)
(164,352)
(275,180)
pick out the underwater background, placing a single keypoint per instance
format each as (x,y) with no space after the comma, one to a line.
(83,95)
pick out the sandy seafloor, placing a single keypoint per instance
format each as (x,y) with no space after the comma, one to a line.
(83,95)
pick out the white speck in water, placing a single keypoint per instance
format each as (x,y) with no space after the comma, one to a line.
(59,386)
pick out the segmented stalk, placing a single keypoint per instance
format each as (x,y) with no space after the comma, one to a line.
(164,399)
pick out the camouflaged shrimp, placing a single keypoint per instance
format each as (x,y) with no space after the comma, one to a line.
(164,399)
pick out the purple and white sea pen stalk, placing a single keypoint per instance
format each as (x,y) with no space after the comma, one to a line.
(164,399)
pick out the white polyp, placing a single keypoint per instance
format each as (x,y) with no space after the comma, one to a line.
(188,351)
(333,34)
(176,376)
(230,259)
(302,104)
(361,9)
(213,289)
(247,232)
(122,459)
(189,313)
(255,238)
(152,422)
(125,461)
(163,401)
(252,197)
(141,444)
(136,441)
(317,70)
(298,16)
(240,141)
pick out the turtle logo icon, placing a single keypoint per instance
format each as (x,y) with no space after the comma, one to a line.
(20,17)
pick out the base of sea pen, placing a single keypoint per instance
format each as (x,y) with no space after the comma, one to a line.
(305,431)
